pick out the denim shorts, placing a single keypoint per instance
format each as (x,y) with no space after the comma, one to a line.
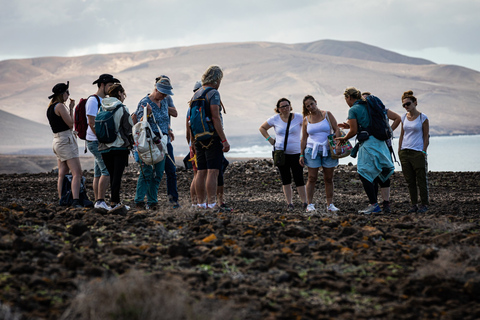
(99,169)
(320,160)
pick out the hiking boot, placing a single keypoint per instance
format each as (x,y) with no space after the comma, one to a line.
(118,205)
(310,208)
(372,208)
(153,207)
(290,207)
(332,208)
(413,209)
(102,205)
(305,205)
(76,204)
(386,207)
(140,206)
(422,209)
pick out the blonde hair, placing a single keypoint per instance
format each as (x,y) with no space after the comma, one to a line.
(213,75)
(352,92)
(115,89)
(409,95)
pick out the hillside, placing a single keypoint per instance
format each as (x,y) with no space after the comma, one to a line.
(257,74)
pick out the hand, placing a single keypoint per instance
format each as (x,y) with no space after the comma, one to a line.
(272,141)
(226,146)
(149,109)
(171,135)
(72,104)
(134,118)
(340,140)
(301,161)
(344,125)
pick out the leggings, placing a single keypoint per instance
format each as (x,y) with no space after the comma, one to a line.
(115,161)
(292,163)
(371,188)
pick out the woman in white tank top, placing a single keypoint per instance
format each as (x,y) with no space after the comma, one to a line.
(315,151)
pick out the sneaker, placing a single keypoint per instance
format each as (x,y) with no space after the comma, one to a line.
(76,204)
(102,205)
(386,207)
(332,208)
(290,207)
(422,209)
(176,205)
(118,205)
(310,208)
(372,208)
(413,209)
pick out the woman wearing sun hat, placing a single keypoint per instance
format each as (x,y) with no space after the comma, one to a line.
(65,145)
(157,114)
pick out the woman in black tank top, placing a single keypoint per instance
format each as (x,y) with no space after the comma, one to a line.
(64,142)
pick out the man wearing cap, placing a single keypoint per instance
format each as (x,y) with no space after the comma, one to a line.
(170,167)
(157,114)
(101,176)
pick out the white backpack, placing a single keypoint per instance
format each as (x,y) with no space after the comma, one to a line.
(149,152)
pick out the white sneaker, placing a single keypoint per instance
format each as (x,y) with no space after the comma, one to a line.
(120,204)
(311,208)
(332,208)
(102,205)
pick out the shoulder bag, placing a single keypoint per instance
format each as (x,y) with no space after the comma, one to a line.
(279,155)
(345,148)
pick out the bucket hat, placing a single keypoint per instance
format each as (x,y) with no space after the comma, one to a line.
(59,88)
(106,78)
(163,85)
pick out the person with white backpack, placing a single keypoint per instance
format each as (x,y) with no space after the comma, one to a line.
(152,161)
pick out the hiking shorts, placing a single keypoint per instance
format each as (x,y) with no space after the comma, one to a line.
(320,160)
(65,145)
(211,157)
(99,169)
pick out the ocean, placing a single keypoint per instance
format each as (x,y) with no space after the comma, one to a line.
(445,153)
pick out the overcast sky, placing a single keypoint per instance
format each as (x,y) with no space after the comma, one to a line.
(443,31)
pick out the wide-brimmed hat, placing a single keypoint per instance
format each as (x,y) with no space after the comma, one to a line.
(106,78)
(163,85)
(197,86)
(59,88)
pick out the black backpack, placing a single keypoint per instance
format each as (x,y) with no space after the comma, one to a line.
(67,197)
(379,126)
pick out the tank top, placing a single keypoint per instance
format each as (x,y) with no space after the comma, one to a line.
(56,122)
(317,132)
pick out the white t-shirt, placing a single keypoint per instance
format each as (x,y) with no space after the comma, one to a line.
(293,144)
(413,133)
(91,109)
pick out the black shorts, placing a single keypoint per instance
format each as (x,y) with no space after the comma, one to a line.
(210,157)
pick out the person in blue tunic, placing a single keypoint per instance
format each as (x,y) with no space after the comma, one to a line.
(374,163)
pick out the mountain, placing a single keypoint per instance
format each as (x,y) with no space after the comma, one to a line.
(256,75)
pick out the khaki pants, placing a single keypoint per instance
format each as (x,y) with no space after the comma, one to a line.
(415,168)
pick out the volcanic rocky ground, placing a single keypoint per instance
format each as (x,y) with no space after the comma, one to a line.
(257,262)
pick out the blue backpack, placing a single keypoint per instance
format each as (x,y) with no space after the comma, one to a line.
(200,118)
(105,125)
(379,126)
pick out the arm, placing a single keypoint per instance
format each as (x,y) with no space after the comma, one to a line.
(400,139)
(426,135)
(263,130)
(217,124)
(303,141)
(61,110)
(91,123)
(333,122)
(352,123)
(395,117)
(172,111)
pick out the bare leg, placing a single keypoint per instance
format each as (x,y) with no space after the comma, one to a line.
(200,186)
(102,186)
(76,169)
(312,180)
(220,194)
(211,183)
(95,187)
(287,191)
(62,171)
(328,179)
(193,194)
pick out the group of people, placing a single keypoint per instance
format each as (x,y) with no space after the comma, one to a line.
(304,140)
(110,159)
(302,137)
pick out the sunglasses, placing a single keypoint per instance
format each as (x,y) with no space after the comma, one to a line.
(406,104)
(287,105)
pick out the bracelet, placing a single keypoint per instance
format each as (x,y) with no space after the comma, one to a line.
(302,155)
(425,152)
(224,141)
(170,129)
(268,138)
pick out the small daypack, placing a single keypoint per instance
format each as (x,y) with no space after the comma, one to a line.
(200,118)
(67,197)
(143,137)
(105,125)
(80,117)
(379,126)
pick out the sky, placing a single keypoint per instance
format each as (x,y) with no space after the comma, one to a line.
(443,31)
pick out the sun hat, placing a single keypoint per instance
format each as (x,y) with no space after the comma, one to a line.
(163,85)
(59,88)
(197,86)
(106,78)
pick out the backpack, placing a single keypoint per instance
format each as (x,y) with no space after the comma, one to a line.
(200,116)
(379,126)
(143,137)
(105,125)
(80,117)
(67,198)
